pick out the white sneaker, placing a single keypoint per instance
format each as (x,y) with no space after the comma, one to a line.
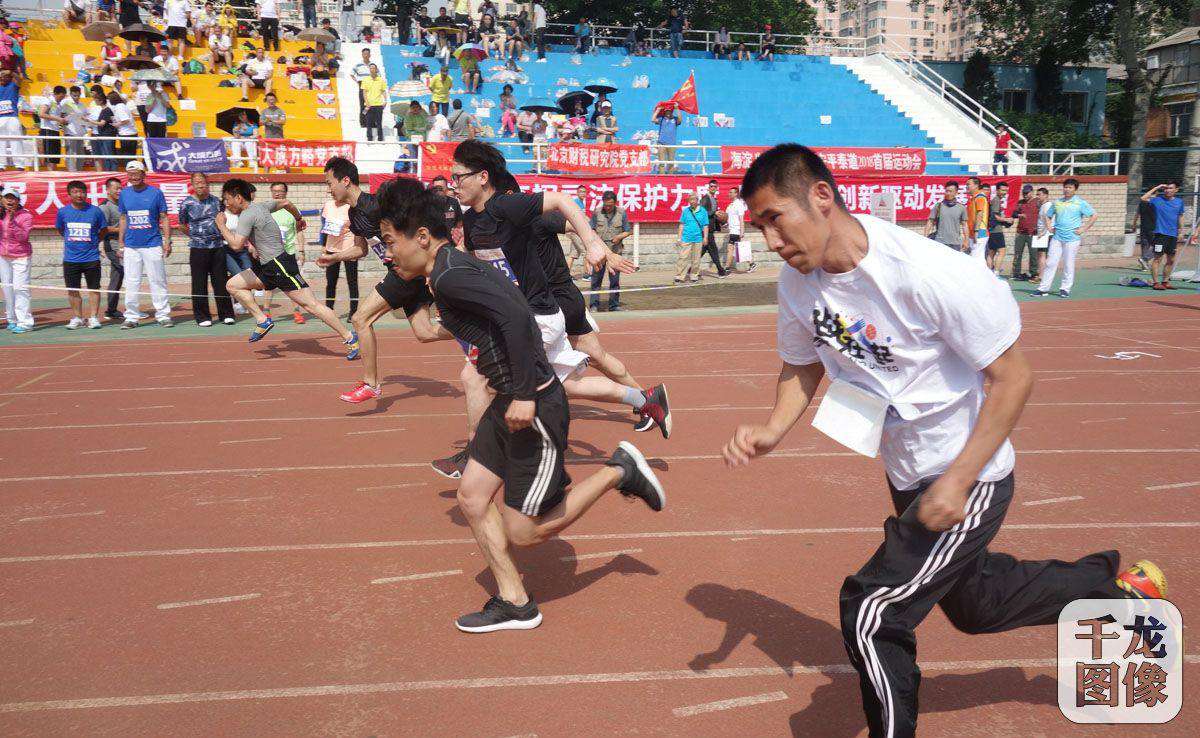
(205,324)
(259,293)
(75,323)
(94,323)
(238,309)
(229,321)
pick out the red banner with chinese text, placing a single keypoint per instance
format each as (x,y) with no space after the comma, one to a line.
(660,199)
(841,160)
(279,153)
(43,193)
(437,158)
(601,158)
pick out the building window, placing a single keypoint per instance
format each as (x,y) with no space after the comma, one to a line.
(930,26)
(912,42)
(1181,119)
(1017,100)
(912,25)
(1075,105)
(928,43)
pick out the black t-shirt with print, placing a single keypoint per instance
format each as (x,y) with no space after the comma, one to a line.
(502,234)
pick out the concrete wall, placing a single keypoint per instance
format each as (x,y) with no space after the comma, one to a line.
(656,240)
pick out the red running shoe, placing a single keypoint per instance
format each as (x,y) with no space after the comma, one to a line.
(656,411)
(1143,581)
(361,393)
(298,318)
(1159,286)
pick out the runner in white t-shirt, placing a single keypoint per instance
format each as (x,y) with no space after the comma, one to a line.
(908,331)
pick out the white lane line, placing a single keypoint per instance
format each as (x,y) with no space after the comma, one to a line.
(1101,420)
(507,682)
(63,515)
(642,536)
(210,601)
(381,430)
(35,380)
(267,399)
(775,456)
(253,440)
(25,415)
(15,623)
(201,503)
(171,376)
(743,538)
(68,357)
(112,451)
(1185,412)
(415,577)
(754,699)
(1178,485)
(147,407)
(601,555)
(391,486)
(1056,379)
(1053,500)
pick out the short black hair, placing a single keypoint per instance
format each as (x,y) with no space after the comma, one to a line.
(1002,184)
(110,180)
(238,188)
(60,90)
(201,175)
(1043,189)
(1172,182)
(280,184)
(788,168)
(342,168)
(976,180)
(952,183)
(456,104)
(1071,181)
(505,183)
(609,195)
(479,156)
(76,88)
(438,178)
(408,206)
(76,184)
(712,181)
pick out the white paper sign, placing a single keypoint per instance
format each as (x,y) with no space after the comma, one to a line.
(853,417)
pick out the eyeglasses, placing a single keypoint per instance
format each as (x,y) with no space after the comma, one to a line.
(458,178)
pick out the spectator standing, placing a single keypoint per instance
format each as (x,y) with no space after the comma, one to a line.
(12,141)
(611,224)
(577,248)
(177,14)
(348,21)
(439,87)
(508,111)
(158,109)
(81,225)
(583,36)
(1073,218)
(100,121)
(172,65)
(50,131)
(735,218)
(463,125)
(1144,221)
(1028,212)
(539,28)
(1168,223)
(997,222)
(243,146)
(723,47)
(978,213)
(144,242)
(1000,155)
(360,72)
(606,124)
(439,127)
(525,121)
(128,15)
(1041,242)
(75,128)
(206,257)
(116,266)
(335,238)
(16,253)
(273,118)
(310,13)
(675,25)
(126,144)
(709,203)
(693,233)
(948,220)
(668,120)
(374,91)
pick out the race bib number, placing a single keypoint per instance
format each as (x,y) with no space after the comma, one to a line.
(6,107)
(471,352)
(496,258)
(379,249)
(79,231)
(333,227)
(138,218)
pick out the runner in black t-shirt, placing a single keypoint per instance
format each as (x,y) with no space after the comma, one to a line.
(521,440)
(391,294)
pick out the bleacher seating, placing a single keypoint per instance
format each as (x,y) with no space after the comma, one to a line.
(786,100)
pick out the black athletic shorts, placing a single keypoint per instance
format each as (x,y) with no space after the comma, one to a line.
(280,273)
(575,315)
(1164,244)
(529,461)
(75,271)
(175,32)
(409,295)
(996,242)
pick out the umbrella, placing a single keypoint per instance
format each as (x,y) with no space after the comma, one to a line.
(541,107)
(101,30)
(137,62)
(316,35)
(153,75)
(228,117)
(601,86)
(142,32)
(444,29)
(567,101)
(474,50)
(400,108)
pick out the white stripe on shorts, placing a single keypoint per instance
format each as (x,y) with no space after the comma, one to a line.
(545,472)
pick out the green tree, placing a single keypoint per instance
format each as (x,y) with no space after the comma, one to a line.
(785,16)
(979,81)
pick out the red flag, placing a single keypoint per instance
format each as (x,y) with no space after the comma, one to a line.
(685,97)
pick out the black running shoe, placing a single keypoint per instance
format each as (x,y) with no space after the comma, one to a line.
(498,614)
(638,479)
(656,411)
(451,467)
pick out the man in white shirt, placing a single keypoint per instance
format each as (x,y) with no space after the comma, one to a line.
(908,331)
(735,218)
(539,29)
(75,111)
(358,73)
(268,16)
(258,71)
(176,13)
(439,125)
(221,44)
(172,65)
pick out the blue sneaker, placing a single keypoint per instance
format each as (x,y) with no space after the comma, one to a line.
(19,329)
(352,344)
(261,329)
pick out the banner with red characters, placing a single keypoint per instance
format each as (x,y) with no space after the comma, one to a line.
(43,193)
(602,158)
(287,153)
(840,160)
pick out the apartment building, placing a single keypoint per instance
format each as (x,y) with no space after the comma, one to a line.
(931,29)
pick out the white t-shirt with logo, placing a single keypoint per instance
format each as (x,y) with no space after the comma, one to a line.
(267,9)
(915,323)
(259,70)
(176,12)
(736,217)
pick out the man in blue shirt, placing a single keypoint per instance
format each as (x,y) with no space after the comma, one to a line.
(583,36)
(668,120)
(82,225)
(1071,217)
(1168,222)
(198,219)
(143,241)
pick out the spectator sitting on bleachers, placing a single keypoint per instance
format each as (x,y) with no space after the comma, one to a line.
(334,48)
(104,10)
(110,56)
(204,21)
(508,112)
(257,72)
(243,142)
(172,65)
(463,125)
(416,122)
(221,46)
(490,37)
(583,36)
(441,51)
(471,76)
(766,48)
(722,48)
(146,49)
(743,53)
(228,21)
(74,11)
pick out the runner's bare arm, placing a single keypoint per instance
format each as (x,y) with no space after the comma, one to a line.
(425,329)
(235,241)
(351,254)
(794,390)
(598,253)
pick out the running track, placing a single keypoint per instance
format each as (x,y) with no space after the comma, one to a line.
(198,538)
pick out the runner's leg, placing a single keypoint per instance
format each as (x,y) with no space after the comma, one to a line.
(373,308)
(607,364)
(241,287)
(475,493)
(305,299)
(523,530)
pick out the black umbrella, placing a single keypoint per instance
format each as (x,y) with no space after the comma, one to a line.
(227,118)
(601,86)
(541,107)
(142,32)
(567,101)
(137,62)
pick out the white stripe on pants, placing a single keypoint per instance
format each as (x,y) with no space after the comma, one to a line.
(1058,250)
(14,145)
(14,273)
(149,262)
(979,248)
